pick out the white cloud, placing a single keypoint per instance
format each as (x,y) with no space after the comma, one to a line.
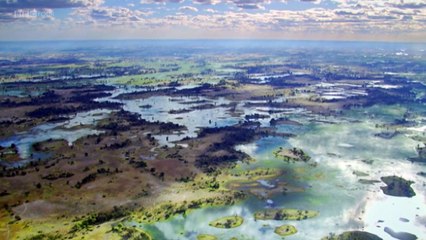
(108,15)
(161,1)
(343,20)
(250,4)
(188,9)
(367,18)
(28,4)
(206,2)
(30,10)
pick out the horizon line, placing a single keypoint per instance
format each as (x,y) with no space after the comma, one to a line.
(216,40)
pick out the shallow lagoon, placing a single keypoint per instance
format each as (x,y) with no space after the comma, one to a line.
(192,120)
(352,143)
(331,187)
(196,117)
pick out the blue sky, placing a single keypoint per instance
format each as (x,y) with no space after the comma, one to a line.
(382,20)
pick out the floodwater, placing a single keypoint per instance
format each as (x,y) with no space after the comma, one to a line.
(330,187)
(338,145)
(70,130)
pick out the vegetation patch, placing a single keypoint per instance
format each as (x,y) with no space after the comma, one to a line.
(353,235)
(44,236)
(227,222)
(130,233)
(285,214)
(256,174)
(285,230)
(398,187)
(206,237)
(400,235)
(166,210)
(223,153)
(293,154)
(98,218)
(368,181)
(57,175)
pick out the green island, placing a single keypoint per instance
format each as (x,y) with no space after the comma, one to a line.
(167,210)
(227,222)
(352,235)
(206,237)
(292,154)
(285,230)
(252,175)
(397,187)
(220,190)
(251,181)
(285,214)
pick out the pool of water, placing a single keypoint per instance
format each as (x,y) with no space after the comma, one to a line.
(70,130)
(194,116)
(330,187)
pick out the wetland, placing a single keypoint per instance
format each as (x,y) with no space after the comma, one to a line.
(291,141)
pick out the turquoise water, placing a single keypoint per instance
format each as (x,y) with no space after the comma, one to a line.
(330,187)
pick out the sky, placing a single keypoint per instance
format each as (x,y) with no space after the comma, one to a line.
(353,20)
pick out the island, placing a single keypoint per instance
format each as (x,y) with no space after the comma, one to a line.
(227,222)
(353,235)
(397,187)
(285,214)
(400,235)
(285,230)
(292,154)
(206,237)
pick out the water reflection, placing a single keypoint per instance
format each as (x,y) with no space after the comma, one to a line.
(331,187)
